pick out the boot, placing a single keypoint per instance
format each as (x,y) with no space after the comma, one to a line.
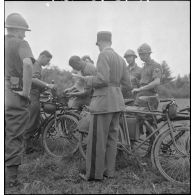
(11,176)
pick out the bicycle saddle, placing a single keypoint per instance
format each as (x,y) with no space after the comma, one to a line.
(134,108)
(147,98)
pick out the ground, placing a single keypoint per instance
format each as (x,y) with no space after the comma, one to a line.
(40,174)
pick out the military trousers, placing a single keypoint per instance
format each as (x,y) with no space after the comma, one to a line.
(34,120)
(102,145)
(16,119)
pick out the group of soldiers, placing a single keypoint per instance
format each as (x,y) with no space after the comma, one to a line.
(99,86)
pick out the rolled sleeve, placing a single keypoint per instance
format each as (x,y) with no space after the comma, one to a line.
(157,73)
(25,50)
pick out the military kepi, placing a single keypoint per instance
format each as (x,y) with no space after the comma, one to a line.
(104,36)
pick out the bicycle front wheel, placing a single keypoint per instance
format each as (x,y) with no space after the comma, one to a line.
(173,161)
(60,136)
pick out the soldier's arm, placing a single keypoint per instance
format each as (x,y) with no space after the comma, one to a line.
(156,75)
(39,83)
(25,54)
(151,85)
(125,78)
(101,79)
(27,76)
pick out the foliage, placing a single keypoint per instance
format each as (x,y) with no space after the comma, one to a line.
(62,78)
(170,87)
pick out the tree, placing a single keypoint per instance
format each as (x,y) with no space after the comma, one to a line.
(166,73)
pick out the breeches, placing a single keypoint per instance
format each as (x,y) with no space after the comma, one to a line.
(34,120)
(102,145)
(16,118)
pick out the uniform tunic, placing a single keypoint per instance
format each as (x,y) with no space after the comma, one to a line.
(135,76)
(34,108)
(150,71)
(78,102)
(16,107)
(106,104)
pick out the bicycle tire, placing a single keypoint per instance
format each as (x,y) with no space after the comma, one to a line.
(173,166)
(61,141)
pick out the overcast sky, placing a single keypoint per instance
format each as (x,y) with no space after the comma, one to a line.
(70,28)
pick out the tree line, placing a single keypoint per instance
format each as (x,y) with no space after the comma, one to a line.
(171,87)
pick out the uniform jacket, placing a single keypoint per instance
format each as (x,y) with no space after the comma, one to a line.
(111,73)
(135,76)
(15,51)
(150,71)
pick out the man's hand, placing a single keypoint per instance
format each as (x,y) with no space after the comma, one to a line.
(136,90)
(51,86)
(78,76)
(21,93)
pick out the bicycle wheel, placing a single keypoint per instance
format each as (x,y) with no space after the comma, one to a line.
(60,138)
(174,165)
(143,150)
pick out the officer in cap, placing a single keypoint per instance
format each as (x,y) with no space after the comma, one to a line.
(150,78)
(79,91)
(134,72)
(106,104)
(38,86)
(18,79)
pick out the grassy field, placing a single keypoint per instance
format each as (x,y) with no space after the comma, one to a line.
(41,174)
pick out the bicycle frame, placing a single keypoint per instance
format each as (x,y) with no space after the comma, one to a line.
(125,131)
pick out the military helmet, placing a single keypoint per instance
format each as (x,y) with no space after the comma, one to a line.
(130,52)
(16,21)
(144,48)
(74,60)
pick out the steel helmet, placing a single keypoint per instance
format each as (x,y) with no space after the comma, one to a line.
(130,52)
(144,48)
(16,21)
(74,60)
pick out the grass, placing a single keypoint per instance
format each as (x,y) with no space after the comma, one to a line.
(41,174)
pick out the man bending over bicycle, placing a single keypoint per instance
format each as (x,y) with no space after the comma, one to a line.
(82,95)
(38,86)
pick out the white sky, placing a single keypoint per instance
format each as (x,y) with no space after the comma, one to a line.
(70,28)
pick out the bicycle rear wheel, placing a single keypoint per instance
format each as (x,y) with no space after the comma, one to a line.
(171,163)
(60,138)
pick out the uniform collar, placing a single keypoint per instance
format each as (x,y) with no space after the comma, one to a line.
(107,48)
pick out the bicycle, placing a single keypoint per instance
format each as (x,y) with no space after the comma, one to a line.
(170,143)
(57,129)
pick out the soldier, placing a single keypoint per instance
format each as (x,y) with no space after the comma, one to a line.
(81,93)
(106,104)
(38,86)
(134,72)
(87,59)
(150,77)
(18,79)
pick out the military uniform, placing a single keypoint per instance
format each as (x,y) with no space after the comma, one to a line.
(135,77)
(34,108)
(16,107)
(149,72)
(78,102)
(106,104)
